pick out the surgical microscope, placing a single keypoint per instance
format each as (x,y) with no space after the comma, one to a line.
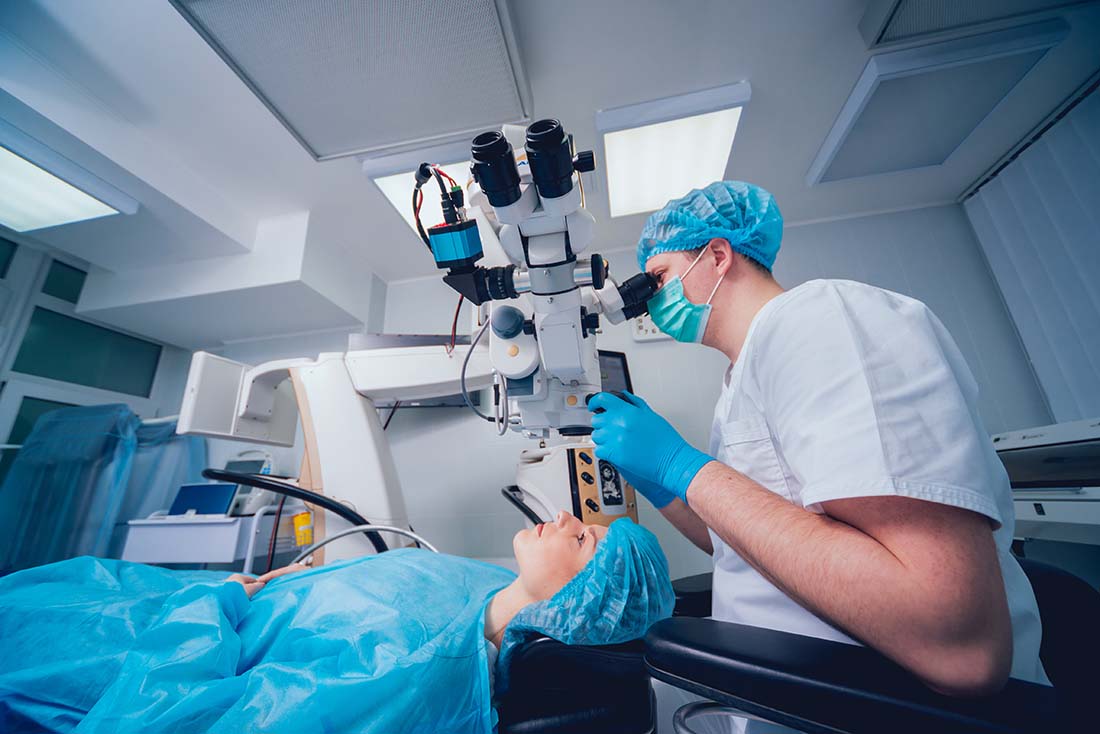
(544,309)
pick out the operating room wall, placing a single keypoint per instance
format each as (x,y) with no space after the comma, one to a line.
(1038,221)
(452,465)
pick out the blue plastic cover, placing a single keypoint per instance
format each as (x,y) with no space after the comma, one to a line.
(63,493)
(743,214)
(388,643)
(81,474)
(615,598)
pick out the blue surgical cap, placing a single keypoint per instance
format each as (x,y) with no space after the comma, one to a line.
(616,597)
(744,214)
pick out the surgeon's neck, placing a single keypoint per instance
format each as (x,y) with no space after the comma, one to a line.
(735,305)
(503,607)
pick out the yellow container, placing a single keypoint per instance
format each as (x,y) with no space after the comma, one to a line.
(303,529)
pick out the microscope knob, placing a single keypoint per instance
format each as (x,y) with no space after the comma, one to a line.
(507,322)
(599,272)
(584,162)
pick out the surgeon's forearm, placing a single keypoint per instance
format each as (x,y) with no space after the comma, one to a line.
(689,524)
(925,613)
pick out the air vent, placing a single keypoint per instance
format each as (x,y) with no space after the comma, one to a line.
(347,77)
(913,108)
(894,21)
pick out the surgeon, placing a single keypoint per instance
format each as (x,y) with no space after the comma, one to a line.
(849,491)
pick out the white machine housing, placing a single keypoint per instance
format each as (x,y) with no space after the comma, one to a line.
(1055,476)
(346,455)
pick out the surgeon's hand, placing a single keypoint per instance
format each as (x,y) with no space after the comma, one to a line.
(642,444)
(655,493)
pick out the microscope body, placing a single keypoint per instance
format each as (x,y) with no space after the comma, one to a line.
(544,311)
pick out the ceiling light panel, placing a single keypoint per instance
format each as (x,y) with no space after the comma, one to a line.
(348,77)
(398,189)
(648,165)
(657,150)
(33,198)
(915,107)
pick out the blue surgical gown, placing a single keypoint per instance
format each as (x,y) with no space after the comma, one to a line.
(387,643)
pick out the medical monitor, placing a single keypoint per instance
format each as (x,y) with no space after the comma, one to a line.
(614,373)
(203,499)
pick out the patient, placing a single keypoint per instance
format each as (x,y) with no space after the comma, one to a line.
(397,642)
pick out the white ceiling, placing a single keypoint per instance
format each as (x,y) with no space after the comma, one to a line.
(167,111)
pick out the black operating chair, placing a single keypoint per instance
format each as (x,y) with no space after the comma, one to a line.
(802,682)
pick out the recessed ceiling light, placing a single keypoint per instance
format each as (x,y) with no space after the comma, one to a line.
(33,198)
(398,188)
(40,188)
(656,151)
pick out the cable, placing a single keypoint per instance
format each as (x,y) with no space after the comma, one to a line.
(275,533)
(454,325)
(417,202)
(393,409)
(445,175)
(500,411)
(325,503)
(580,176)
(366,528)
(462,374)
(442,186)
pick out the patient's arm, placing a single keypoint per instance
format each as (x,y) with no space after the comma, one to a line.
(252,584)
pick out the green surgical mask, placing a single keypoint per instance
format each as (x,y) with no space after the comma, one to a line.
(675,315)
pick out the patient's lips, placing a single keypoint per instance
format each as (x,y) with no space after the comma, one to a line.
(538,529)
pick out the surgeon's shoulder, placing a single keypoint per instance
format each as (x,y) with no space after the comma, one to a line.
(820,311)
(817,301)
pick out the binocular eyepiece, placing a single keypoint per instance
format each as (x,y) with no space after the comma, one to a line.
(548,154)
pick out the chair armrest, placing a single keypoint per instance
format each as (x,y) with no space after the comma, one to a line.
(816,685)
(693,595)
(576,689)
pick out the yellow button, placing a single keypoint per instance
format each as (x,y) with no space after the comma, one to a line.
(513,350)
(571,400)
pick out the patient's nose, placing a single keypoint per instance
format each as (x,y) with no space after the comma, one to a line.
(565,519)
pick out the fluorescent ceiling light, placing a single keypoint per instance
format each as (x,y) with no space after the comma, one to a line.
(647,166)
(659,150)
(398,188)
(33,198)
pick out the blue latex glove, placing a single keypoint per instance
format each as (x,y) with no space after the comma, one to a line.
(655,493)
(642,444)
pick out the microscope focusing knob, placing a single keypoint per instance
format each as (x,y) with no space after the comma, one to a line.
(584,162)
(599,272)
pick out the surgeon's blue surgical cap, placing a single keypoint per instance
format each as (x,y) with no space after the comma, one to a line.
(739,212)
(616,597)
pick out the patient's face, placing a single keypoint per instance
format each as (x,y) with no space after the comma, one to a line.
(549,555)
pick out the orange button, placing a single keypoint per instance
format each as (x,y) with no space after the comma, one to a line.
(571,400)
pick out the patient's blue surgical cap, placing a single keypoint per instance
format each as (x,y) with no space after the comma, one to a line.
(739,212)
(616,597)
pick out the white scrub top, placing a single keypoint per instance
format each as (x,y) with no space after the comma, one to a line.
(847,390)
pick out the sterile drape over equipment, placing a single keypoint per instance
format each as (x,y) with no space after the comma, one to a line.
(538,313)
(81,474)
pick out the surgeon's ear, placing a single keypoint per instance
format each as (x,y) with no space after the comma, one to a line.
(723,255)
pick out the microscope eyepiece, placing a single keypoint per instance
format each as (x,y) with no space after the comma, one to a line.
(550,158)
(494,168)
(636,292)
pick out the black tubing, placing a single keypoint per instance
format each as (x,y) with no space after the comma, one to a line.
(260,481)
